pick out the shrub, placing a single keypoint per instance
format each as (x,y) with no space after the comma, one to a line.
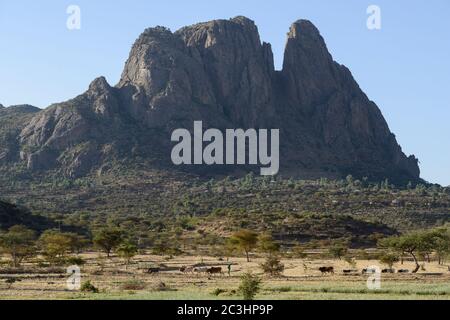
(389,259)
(87,286)
(217,292)
(250,286)
(283,289)
(75,261)
(163,287)
(273,266)
(133,285)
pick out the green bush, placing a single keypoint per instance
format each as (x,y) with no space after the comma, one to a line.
(133,285)
(75,261)
(250,286)
(87,286)
(273,266)
(217,292)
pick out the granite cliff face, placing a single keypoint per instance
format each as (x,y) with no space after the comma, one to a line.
(12,120)
(221,73)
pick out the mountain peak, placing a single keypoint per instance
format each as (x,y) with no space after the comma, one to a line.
(22,108)
(303,27)
(99,85)
(243,19)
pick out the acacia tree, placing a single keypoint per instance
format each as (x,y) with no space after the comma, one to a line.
(389,259)
(77,242)
(18,242)
(55,245)
(108,239)
(127,250)
(267,244)
(229,247)
(338,250)
(245,240)
(421,243)
(440,239)
(410,243)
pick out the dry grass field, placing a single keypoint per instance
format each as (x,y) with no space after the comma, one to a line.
(300,280)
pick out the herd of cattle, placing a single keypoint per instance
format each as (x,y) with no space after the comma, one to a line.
(219,270)
(187,270)
(207,270)
(326,270)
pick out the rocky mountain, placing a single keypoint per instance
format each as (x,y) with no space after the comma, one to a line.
(221,73)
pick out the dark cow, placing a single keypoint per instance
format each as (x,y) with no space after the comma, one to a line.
(369,271)
(153,270)
(185,269)
(326,270)
(214,270)
(388,271)
(349,271)
(403,271)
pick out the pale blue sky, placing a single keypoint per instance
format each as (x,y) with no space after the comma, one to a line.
(404,67)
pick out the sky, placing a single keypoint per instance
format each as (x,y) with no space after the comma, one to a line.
(404,67)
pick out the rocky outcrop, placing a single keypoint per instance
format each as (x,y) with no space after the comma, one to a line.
(221,73)
(348,131)
(64,129)
(12,120)
(214,71)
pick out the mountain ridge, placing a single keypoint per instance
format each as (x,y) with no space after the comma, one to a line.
(221,73)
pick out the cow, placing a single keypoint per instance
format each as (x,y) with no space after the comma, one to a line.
(153,270)
(403,271)
(369,271)
(214,270)
(346,272)
(388,271)
(326,270)
(201,270)
(185,269)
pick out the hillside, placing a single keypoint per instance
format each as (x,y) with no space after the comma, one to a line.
(150,204)
(11,215)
